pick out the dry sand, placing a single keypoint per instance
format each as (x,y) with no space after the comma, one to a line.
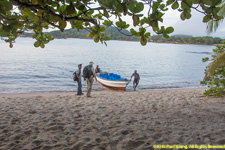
(110,120)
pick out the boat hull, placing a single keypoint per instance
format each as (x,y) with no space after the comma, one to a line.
(119,85)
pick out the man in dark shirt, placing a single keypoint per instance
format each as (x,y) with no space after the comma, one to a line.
(136,79)
(78,74)
(97,69)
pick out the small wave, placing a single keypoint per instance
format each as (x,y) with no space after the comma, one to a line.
(208,53)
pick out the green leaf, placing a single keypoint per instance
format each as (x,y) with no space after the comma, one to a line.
(119,8)
(169,2)
(107,23)
(139,7)
(80,6)
(102,29)
(106,14)
(147,35)
(132,31)
(205,59)
(142,30)
(70,9)
(39,29)
(7,5)
(62,9)
(166,36)
(34,36)
(106,38)
(143,21)
(187,14)
(118,24)
(37,44)
(207,2)
(90,12)
(143,41)
(131,7)
(42,45)
(40,2)
(182,16)
(135,20)
(155,6)
(169,30)
(195,1)
(206,18)
(10,45)
(175,5)
(185,5)
(126,26)
(96,39)
(62,24)
(6,28)
(91,35)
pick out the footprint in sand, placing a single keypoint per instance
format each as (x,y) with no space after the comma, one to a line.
(135,144)
(221,141)
(105,134)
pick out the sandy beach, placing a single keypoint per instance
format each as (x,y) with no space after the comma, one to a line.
(110,120)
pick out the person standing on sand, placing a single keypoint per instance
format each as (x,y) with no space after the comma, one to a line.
(78,74)
(97,69)
(136,79)
(89,80)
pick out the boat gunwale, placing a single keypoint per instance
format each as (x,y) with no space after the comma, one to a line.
(114,81)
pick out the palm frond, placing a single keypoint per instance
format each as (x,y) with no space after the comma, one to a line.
(219,61)
(222,10)
(212,25)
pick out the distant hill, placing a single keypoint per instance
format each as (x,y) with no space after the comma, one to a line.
(111,32)
(182,36)
(114,34)
(186,39)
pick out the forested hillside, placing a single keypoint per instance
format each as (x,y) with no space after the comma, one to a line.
(114,34)
(111,32)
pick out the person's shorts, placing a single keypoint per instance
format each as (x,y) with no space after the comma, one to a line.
(135,81)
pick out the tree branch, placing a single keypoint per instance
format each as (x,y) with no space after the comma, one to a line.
(48,11)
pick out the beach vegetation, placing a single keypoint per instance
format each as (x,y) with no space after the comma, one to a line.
(215,72)
(18,16)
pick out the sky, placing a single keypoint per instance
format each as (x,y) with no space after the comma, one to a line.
(194,26)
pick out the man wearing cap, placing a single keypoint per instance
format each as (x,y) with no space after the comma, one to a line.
(136,79)
(90,80)
(78,74)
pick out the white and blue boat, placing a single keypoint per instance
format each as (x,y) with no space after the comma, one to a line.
(112,80)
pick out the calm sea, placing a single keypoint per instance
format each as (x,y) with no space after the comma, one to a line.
(25,69)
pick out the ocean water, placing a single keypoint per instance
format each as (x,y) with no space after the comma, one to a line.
(25,69)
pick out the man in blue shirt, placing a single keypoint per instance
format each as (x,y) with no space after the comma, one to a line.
(78,74)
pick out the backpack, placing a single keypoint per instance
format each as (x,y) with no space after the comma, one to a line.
(75,76)
(87,72)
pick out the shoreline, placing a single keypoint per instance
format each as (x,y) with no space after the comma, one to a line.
(177,43)
(105,89)
(111,120)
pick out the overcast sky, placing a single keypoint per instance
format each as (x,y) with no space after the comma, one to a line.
(194,26)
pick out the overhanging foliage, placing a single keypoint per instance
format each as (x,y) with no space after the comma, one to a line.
(17,16)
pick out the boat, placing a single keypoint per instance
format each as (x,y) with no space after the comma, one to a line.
(112,80)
